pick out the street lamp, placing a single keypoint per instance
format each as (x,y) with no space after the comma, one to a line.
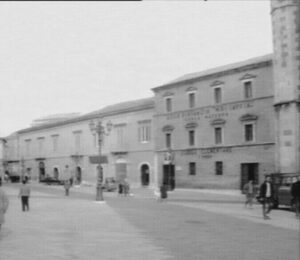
(99,129)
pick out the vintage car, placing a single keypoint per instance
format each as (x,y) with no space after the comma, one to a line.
(109,184)
(51,181)
(282,189)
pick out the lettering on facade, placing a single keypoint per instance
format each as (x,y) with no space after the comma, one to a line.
(189,152)
(212,150)
(213,112)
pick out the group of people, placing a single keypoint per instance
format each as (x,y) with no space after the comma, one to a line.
(123,188)
(266,195)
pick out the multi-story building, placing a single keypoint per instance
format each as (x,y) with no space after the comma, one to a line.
(216,128)
(68,149)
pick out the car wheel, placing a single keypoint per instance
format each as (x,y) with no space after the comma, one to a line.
(293,206)
(275,204)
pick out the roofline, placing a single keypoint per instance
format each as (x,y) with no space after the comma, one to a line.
(233,69)
(86,117)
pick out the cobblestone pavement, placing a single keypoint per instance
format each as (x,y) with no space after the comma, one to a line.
(58,227)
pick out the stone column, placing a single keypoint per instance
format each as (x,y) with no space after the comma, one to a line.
(286,68)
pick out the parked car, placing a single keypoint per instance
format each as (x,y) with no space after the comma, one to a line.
(14,178)
(50,181)
(110,184)
(282,189)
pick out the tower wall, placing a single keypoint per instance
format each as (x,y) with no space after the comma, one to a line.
(286,64)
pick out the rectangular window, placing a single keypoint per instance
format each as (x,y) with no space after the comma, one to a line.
(41,145)
(77,139)
(54,142)
(248,89)
(169,104)
(249,135)
(168,140)
(28,146)
(219,168)
(218,135)
(144,133)
(191,137)
(120,136)
(218,95)
(192,99)
(192,168)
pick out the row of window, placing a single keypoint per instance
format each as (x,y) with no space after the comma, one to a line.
(144,136)
(217,96)
(249,135)
(218,168)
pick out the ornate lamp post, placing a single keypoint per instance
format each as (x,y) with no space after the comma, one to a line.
(99,129)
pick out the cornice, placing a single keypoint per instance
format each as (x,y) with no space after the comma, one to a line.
(217,74)
(86,118)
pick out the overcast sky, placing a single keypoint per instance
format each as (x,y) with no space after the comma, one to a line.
(63,57)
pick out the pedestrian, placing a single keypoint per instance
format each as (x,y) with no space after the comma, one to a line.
(266,196)
(163,192)
(6,177)
(24,194)
(126,188)
(0,181)
(120,188)
(249,191)
(67,185)
(3,206)
(295,191)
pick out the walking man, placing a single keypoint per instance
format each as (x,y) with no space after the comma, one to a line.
(296,196)
(266,194)
(67,185)
(249,191)
(3,206)
(24,194)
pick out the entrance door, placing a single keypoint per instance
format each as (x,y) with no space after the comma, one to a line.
(121,171)
(42,172)
(78,176)
(169,176)
(145,178)
(249,171)
(55,173)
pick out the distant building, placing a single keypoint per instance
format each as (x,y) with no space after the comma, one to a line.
(67,149)
(215,129)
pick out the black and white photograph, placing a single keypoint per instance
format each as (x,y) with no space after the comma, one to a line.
(150,130)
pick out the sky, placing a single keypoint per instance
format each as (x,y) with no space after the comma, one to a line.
(65,57)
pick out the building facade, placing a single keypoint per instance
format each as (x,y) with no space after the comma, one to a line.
(215,129)
(68,149)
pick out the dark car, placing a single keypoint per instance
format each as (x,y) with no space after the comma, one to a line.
(52,181)
(282,189)
(110,184)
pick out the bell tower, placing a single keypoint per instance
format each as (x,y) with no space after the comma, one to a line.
(286,74)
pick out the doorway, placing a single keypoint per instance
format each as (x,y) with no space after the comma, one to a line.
(145,176)
(55,173)
(121,171)
(42,171)
(78,175)
(169,176)
(249,171)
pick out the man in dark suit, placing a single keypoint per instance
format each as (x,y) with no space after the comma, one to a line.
(266,194)
(295,190)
